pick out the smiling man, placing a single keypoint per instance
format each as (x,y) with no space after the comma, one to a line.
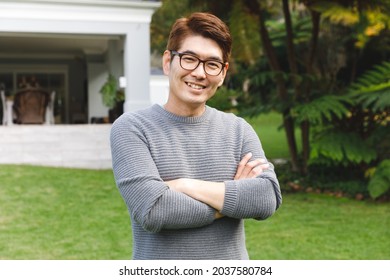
(190,174)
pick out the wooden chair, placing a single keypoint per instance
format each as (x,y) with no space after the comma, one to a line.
(30,106)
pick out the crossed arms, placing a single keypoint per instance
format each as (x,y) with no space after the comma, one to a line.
(213,193)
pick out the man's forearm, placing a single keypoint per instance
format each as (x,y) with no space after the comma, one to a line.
(210,193)
(213,193)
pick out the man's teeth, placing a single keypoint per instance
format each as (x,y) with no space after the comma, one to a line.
(195,86)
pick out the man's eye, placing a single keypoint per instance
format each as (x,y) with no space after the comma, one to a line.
(189,59)
(213,65)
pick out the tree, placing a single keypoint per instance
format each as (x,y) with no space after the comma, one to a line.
(163,20)
(302,58)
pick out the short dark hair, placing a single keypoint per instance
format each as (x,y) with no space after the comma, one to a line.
(204,24)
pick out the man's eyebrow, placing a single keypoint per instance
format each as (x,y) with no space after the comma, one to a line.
(208,58)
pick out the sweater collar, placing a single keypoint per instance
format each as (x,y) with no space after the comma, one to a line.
(189,120)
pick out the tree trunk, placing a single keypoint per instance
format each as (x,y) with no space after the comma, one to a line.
(305,125)
(290,48)
(305,135)
(288,122)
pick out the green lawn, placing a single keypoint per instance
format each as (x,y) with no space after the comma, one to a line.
(318,226)
(56,213)
(50,213)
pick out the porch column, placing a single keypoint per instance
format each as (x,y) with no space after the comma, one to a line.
(137,67)
(115,58)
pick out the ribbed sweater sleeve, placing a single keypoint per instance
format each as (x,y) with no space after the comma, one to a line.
(255,198)
(150,202)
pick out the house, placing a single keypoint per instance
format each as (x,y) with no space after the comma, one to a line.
(70,47)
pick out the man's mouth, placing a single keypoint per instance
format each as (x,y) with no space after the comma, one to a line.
(195,86)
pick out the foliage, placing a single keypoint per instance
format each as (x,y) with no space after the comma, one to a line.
(372,89)
(163,19)
(246,41)
(360,130)
(324,108)
(301,27)
(362,136)
(338,147)
(380,180)
(336,13)
(338,180)
(311,65)
(365,22)
(110,92)
(224,99)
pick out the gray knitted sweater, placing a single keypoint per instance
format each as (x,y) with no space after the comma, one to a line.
(152,146)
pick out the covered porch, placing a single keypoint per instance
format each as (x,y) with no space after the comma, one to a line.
(70,47)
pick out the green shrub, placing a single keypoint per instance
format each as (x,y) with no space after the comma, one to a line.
(342,180)
(380,182)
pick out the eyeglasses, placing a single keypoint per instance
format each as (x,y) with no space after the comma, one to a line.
(191,62)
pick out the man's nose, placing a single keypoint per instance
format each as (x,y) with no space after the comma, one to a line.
(199,71)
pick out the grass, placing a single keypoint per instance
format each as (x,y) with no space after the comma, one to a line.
(272,137)
(57,213)
(50,213)
(318,226)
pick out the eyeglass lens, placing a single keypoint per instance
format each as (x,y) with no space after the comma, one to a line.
(190,62)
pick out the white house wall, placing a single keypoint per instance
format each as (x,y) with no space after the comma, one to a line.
(159,89)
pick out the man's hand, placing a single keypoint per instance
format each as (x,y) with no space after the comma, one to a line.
(250,169)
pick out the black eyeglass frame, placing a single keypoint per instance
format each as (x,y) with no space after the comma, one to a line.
(179,54)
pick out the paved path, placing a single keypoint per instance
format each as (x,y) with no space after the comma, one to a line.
(79,146)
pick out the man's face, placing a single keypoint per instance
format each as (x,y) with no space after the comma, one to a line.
(190,89)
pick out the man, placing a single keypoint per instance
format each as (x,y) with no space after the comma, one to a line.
(190,174)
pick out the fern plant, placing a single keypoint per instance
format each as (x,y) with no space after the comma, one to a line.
(341,147)
(353,130)
(323,108)
(372,90)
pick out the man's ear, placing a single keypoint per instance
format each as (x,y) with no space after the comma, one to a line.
(223,74)
(166,62)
